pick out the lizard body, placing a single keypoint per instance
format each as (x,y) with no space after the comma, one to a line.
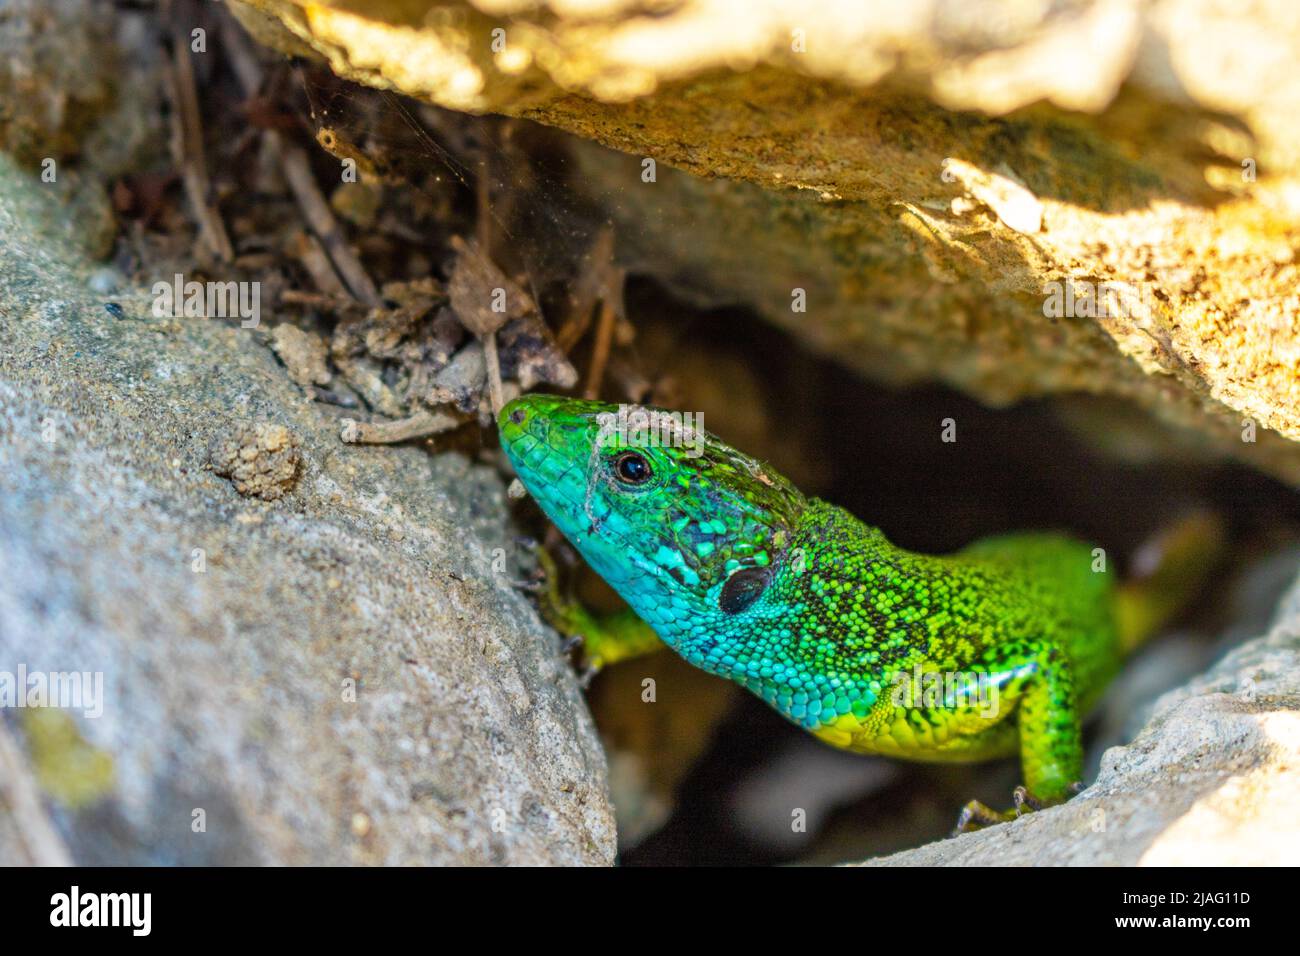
(995,650)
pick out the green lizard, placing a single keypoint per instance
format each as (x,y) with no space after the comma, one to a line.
(998,649)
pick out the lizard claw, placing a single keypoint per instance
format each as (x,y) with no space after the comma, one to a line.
(976,816)
(1023,802)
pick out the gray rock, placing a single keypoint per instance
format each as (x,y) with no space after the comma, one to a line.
(260,459)
(342,675)
(1213,779)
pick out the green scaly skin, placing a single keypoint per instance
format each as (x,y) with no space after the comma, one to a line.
(822,617)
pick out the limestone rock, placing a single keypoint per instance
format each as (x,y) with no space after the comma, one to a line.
(340,676)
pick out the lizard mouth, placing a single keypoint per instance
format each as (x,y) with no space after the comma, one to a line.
(547,440)
(544,466)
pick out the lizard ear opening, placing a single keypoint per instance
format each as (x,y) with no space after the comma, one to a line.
(743,588)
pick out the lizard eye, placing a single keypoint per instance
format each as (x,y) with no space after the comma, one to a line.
(631,468)
(743,588)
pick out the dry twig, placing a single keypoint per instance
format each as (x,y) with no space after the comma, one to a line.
(600,351)
(187,149)
(419,425)
(297,173)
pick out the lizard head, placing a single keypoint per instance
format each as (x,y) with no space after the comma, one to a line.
(688,530)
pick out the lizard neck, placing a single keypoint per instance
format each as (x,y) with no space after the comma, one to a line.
(818,642)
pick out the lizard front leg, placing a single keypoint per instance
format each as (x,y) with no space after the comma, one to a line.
(1036,679)
(605,639)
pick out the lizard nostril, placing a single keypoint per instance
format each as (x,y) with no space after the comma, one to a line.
(518,416)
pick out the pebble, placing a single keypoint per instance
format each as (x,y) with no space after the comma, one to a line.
(105,281)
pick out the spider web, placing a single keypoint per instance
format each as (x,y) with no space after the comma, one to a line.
(511,181)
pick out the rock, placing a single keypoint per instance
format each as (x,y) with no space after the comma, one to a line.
(460,382)
(1213,779)
(1139,155)
(80,96)
(104,281)
(261,460)
(344,674)
(304,354)
(51,61)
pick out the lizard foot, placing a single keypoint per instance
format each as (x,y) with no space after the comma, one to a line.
(602,639)
(976,816)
